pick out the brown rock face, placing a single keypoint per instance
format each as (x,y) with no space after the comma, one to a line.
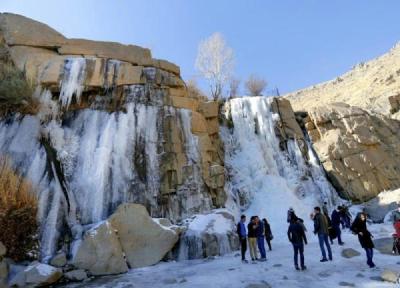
(359,150)
(19,30)
(113,74)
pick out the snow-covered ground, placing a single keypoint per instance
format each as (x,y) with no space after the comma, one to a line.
(278,271)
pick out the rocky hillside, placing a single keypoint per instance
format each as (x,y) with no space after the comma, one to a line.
(373,85)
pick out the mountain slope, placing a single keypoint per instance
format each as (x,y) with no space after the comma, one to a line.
(368,85)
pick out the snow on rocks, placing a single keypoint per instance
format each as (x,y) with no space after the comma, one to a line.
(208,235)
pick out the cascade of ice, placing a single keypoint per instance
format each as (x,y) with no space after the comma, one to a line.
(73,80)
(266,179)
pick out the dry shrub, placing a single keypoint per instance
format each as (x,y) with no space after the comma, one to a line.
(18,210)
(16,93)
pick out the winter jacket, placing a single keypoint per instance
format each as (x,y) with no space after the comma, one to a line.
(260,229)
(335,218)
(239,230)
(321,224)
(267,230)
(252,230)
(296,233)
(366,237)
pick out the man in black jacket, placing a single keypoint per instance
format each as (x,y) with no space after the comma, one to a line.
(242,233)
(296,236)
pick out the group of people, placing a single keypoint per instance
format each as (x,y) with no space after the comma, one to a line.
(255,232)
(326,227)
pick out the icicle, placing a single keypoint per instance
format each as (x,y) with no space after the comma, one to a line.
(73,80)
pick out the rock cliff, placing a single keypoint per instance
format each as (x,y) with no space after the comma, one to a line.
(114,125)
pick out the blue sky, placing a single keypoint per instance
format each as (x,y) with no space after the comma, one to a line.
(291,43)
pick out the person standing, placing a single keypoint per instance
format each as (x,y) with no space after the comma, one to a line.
(321,229)
(260,239)
(268,233)
(241,230)
(335,220)
(325,209)
(252,237)
(396,215)
(359,227)
(297,237)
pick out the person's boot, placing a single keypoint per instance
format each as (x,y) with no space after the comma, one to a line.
(323,260)
(297,267)
(304,268)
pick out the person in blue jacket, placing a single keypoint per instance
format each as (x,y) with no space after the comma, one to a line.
(335,220)
(260,239)
(242,233)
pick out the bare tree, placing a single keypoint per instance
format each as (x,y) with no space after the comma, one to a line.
(194,91)
(234,87)
(255,85)
(215,61)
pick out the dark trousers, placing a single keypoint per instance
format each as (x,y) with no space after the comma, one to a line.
(298,249)
(323,239)
(261,247)
(243,244)
(268,242)
(338,233)
(370,254)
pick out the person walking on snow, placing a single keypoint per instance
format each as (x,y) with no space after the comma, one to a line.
(396,215)
(268,233)
(241,231)
(359,227)
(335,220)
(252,237)
(260,239)
(298,238)
(321,229)
(325,209)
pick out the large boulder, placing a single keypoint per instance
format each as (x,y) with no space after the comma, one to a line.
(36,275)
(100,251)
(384,245)
(381,206)
(3,273)
(209,235)
(144,241)
(350,253)
(76,275)
(20,30)
(3,250)
(360,151)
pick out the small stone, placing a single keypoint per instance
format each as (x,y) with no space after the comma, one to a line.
(170,281)
(389,275)
(60,260)
(376,278)
(76,275)
(350,253)
(359,275)
(285,278)
(258,285)
(346,284)
(183,280)
(231,269)
(324,274)
(277,265)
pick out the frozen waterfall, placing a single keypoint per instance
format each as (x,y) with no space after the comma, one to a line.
(265,180)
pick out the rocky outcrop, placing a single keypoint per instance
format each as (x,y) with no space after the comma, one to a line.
(100,251)
(391,275)
(143,240)
(359,150)
(372,85)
